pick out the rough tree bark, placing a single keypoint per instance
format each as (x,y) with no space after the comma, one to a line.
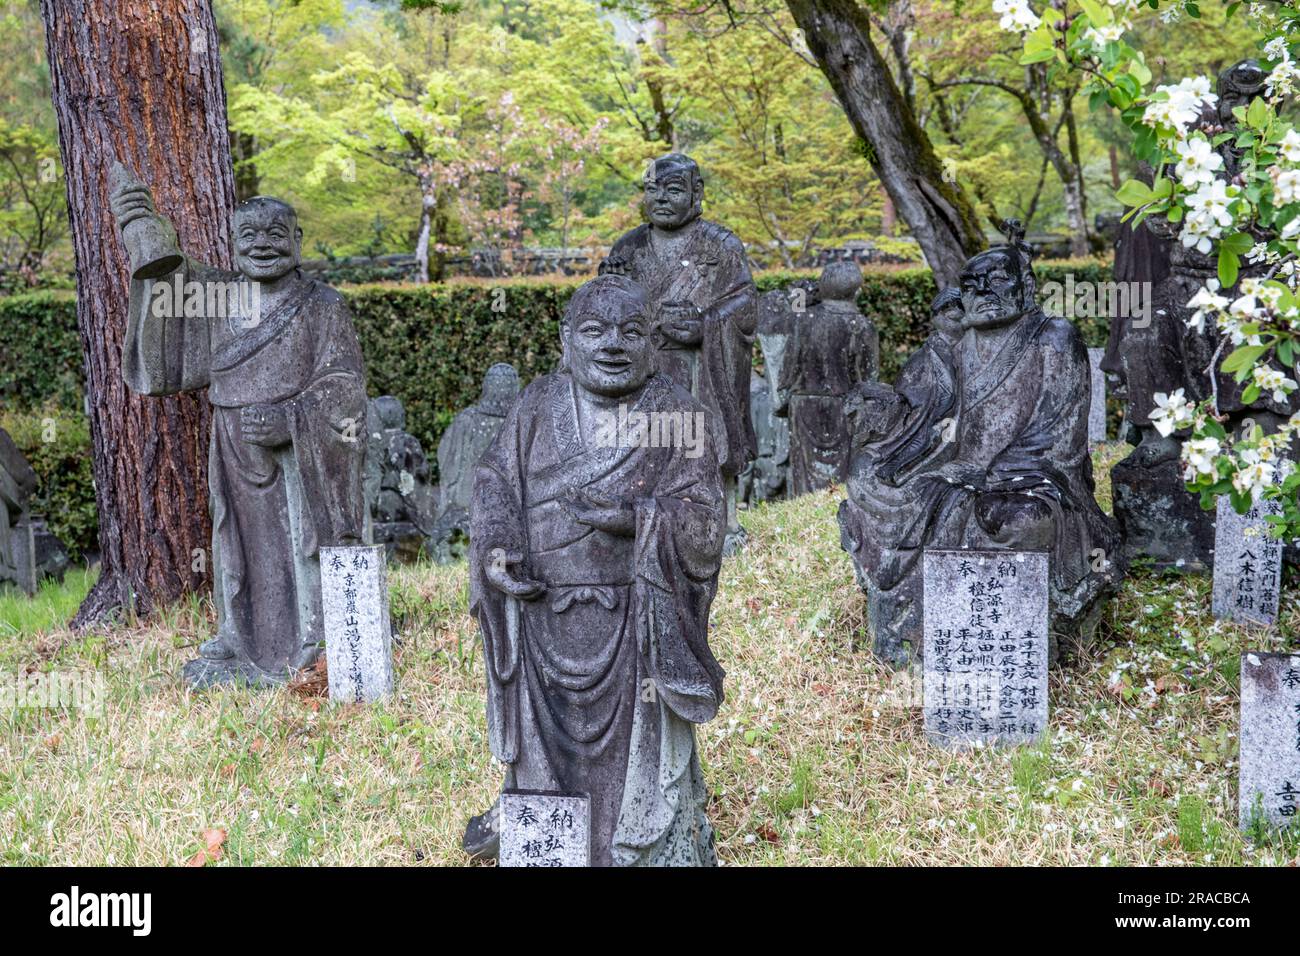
(940,217)
(140,81)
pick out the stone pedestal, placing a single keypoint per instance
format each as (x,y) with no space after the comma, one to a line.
(1159,518)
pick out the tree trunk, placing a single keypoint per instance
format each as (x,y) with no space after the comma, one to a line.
(428,204)
(140,81)
(938,214)
(247,180)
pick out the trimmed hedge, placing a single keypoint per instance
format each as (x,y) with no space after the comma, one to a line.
(57,443)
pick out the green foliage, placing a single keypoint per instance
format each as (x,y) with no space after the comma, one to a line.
(40,352)
(57,443)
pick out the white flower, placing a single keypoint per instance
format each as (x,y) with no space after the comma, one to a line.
(1198,456)
(1253,478)
(1178,107)
(1286,186)
(1206,302)
(1110,33)
(1289,147)
(1171,413)
(1275,49)
(1016,15)
(1197,162)
(1207,216)
(1274,380)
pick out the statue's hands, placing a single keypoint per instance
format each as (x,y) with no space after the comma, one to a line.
(265,425)
(498,574)
(614,517)
(614,266)
(131,201)
(681,322)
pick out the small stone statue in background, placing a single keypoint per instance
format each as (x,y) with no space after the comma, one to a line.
(595,552)
(280,360)
(462,445)
(29,553)
(702,303)
(985,449)
(832,349)
(764,478)
(403,505)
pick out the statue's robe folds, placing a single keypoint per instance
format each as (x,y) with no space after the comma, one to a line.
(833,349)
(462,445)
(272,509)
(712,274)
(594,687)
(1020,421)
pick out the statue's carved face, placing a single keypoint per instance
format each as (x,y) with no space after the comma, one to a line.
(607,346)
(268,242)
(992,290)
(672,197)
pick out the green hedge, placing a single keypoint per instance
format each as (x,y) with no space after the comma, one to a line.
(428,345)
(57,443)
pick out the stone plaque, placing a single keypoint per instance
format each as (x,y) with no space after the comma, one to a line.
(1270,739)
(358,630)
(1247,564)
(541,828)
(1097,408)
(986,647)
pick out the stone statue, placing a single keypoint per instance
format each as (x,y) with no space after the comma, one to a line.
(462,445)
(594,559)
(28,551)
(402,503)
(764,478)
(703,305)
(833,348)
(982,444)
(280,360)
(1160,353)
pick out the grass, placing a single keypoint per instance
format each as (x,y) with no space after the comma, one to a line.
(817,756)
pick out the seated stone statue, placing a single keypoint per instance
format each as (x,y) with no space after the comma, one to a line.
(594,559)
(983,444)
(402,503)
(279,357)
(832,349)
(462,445)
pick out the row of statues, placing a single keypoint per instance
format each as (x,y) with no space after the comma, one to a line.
(29,552)
(598,502)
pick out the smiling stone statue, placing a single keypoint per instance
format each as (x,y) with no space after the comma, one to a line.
(594,557)
(280,359)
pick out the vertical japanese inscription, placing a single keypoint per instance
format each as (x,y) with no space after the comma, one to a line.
(1269,788)
(541,828)
(358,630)
(1247,564)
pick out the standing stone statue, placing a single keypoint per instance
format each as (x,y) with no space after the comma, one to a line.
(280,359)
(17,482)
(402,503)
(987,449)
(703,306)
(594,559)
(764,478)
(1161,353)
(462,445)
(833,348)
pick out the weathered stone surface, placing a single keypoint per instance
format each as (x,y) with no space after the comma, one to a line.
(983,444)
(702,306)
(545,829)
(403,504)
(832,349)
(1269,789)
(280,360)
(459,451)
(1247,564)
(764,478)
(358,629)
(1097,402)
(593,565)
(1159,519)
(29,553)
(986,647)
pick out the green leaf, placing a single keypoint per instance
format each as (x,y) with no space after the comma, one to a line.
(1238,243)
(1250,393)
(1243,358)
(1134,192)
(1098,14)
(1259,113)
(1229,266)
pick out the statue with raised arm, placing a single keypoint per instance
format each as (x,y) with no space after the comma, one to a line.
(280,360)
(703,306)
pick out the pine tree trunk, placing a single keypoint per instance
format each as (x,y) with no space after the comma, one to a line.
(140,81)
(939,215)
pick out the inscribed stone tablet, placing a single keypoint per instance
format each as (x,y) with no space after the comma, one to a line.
(1270,739)
(541,828)
(358,630)
(1247,564)
(986,644)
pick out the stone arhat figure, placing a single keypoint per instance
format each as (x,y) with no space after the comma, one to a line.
(987,449)
(702,306)
(402,503)
(833,348)
(765,478)
(594,559)
(280,360)
(462,445)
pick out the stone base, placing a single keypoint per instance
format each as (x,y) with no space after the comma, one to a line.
(734,543)
(202,673)
(1160,520)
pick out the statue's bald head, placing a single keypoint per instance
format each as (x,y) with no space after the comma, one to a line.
(268,241)
(674,191)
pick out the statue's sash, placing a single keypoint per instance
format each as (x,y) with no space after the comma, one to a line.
(242,348)
(989,377)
